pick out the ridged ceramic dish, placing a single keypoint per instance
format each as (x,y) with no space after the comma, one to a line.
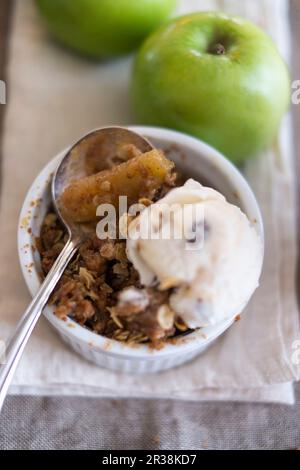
(197,160)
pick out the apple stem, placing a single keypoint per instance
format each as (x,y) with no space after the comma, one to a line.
(220,49)
(216,48)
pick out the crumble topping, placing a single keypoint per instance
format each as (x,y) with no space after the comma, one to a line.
(100,289)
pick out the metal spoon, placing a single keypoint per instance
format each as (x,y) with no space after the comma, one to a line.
(100,143)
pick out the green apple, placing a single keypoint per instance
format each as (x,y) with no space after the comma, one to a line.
(104,28)
(217,77)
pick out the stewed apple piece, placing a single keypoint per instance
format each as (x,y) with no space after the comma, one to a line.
(138,177)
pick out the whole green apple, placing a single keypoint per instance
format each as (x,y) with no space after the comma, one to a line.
(104,28)
(217,77)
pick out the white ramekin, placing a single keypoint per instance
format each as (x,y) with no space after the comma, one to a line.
(198,160)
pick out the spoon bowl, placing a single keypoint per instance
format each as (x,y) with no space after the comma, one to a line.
(90,155)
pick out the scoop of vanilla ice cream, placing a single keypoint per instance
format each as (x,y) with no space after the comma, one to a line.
(206,249)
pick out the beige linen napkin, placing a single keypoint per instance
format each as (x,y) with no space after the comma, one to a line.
(54,98)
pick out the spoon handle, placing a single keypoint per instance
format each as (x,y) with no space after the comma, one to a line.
(27,322)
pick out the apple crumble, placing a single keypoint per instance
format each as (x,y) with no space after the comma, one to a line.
(100,288)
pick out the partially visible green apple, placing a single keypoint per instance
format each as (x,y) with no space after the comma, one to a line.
(104,28)
(214,76)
